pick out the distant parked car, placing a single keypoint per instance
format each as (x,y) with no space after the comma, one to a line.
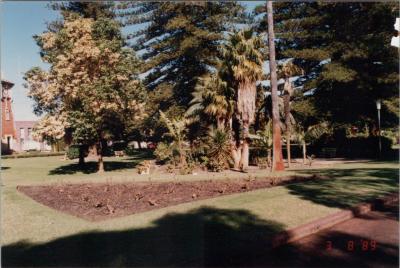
(151,145)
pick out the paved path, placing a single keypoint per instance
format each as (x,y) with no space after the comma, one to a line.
(370,240)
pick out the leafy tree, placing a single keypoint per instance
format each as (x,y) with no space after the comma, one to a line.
(50,128)
(91,82)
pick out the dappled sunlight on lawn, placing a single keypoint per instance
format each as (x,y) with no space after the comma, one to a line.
(347,186)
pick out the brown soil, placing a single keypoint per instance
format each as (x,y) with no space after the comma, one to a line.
(99,201)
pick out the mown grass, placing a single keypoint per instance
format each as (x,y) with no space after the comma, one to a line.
(28,228)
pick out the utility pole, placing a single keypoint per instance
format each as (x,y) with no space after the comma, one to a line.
(378,107)
(277,158)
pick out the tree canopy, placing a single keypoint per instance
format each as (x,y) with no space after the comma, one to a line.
(92,85)
(349,63)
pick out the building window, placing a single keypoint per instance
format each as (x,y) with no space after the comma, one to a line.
(22,134)
(7,114)
(29,134)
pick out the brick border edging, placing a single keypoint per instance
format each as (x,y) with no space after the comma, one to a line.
(315,226)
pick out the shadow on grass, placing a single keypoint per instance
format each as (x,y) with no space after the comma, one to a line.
(348,186)
(202,237)
(205,237)
(133,159)
(92,167)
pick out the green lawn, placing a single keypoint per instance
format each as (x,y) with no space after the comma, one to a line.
(227,226)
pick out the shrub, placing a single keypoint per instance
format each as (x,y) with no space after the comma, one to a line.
(355,147)
(163,152)
(216,165)
(130,150)
(108,150)
(35,154)
(186,169)
(366,147)
(218,150)
(119,146)
(73,151)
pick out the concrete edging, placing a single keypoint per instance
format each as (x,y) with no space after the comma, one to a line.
(315,226)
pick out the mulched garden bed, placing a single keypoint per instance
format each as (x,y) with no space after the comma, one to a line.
(99,201)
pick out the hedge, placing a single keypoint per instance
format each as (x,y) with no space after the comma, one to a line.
(35,154)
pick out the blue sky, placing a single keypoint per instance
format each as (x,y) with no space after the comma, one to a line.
(19,52)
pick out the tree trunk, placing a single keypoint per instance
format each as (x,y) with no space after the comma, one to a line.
(236,155)
(289,158)
(286,103)
(304,152)
(244,162)
(182,155)
(66,148)
(244,157)
(93,151)
(269,158)
(220,123)
(100,157)
(277,161)
(246,106)
(81,162)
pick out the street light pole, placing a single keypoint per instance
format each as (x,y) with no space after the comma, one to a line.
(378,107)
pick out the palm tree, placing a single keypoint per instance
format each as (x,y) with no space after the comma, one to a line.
(243,65)
(177,131)
(310,133)
(277,161)
(213,99)
(287,71)
(218,149)
(264,139)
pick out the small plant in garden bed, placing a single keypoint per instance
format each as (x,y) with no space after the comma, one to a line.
(144,167)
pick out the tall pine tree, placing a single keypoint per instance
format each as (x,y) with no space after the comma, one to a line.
(179,44)
(349,62)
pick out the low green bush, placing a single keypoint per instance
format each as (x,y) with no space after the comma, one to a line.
(164,152)
(73,151)
(32,154)
(119,146)
(355,147)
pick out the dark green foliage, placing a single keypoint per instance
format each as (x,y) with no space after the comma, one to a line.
(164,152)
(355,147)
(139,153)
(32,154)
(360,65)
(179,45)
(94,10)
(218,148)
(119,146)
(367,147)
(73,151)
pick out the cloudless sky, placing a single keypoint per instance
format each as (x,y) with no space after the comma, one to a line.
(19,52)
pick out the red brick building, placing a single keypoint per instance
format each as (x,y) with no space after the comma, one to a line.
(7,117)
